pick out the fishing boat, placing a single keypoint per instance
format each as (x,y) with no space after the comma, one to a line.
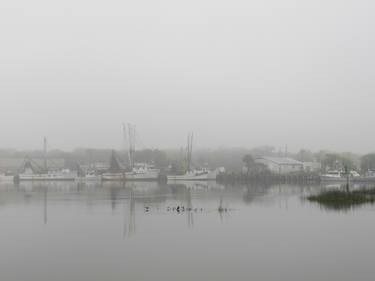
(134,171)
(137,171)
(192,174)
(116,171)
(30,171)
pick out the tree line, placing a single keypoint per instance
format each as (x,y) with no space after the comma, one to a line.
(233,159)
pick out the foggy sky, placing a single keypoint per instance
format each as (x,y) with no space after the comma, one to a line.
(237,73)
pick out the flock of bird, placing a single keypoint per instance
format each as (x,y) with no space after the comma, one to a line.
(182,209)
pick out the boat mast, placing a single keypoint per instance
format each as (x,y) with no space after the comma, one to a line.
(189,151)
(45,154)
(131,134)
(124,133)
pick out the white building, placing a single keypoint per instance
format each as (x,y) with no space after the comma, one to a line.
(280,165)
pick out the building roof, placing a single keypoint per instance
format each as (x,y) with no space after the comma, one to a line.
(281,160)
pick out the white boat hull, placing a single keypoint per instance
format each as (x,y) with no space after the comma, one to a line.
(333,179)
(149,176)
(211,176)
(131,176)
(89,178)
(4,178)
(46,178)
(113,177)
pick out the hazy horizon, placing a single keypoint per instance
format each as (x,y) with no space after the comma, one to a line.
(237,74)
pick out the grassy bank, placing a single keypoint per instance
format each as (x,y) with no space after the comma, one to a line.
(344,199)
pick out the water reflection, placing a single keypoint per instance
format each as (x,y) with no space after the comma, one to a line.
(118,230)
(189,207)
(152,196)
(45,205)
(131,219)
(148,198)
(188,198)
(253,192)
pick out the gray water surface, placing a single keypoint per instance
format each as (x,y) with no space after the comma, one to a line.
(70,231)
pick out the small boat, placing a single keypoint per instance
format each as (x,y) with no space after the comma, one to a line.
(333,175)
(369,176)
(339,176)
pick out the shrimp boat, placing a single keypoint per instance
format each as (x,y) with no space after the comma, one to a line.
(192,174)
(31,172)
(140,172)
(116,171)
(135,171)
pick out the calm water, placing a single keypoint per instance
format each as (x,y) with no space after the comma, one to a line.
(65,231)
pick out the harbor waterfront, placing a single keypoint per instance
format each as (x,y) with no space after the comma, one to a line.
(115,231)
(261,165)
(207,140)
